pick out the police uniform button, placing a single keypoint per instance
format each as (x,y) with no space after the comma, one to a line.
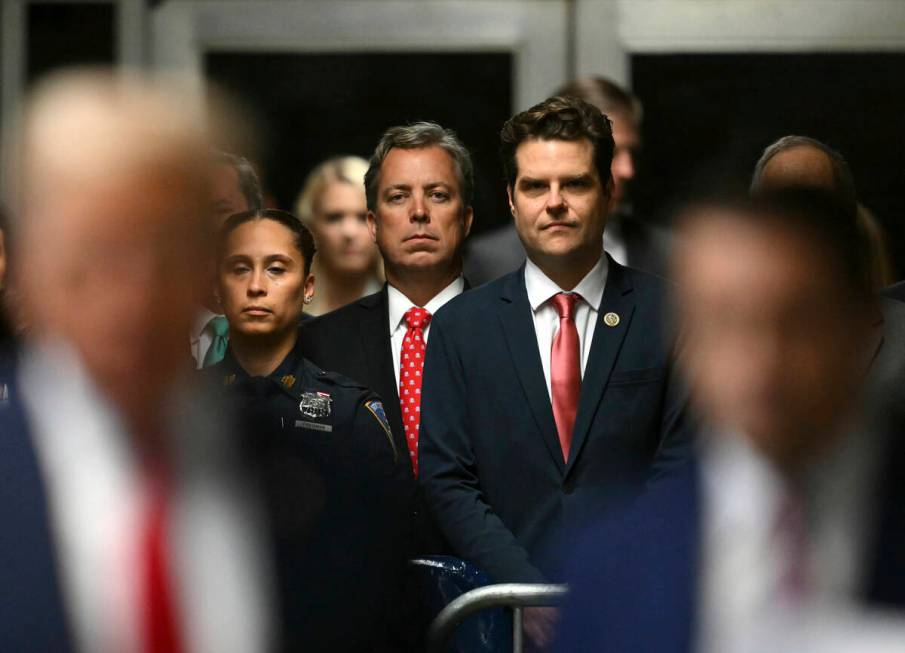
(611,319)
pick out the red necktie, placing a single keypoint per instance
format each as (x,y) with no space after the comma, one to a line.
(790,531)
(160,632)
(411,366)
(565,370)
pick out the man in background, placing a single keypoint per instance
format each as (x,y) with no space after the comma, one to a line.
(802,162)
(419,189)
(629,239)
(234,188)
(127,525)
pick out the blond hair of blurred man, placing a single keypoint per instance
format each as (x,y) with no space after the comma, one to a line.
(126,527)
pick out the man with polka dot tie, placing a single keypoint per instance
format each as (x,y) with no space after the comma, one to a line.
(550,391)
(419,187)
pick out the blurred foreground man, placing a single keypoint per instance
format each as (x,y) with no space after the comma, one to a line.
(788,516)
(125,522)
(551,390)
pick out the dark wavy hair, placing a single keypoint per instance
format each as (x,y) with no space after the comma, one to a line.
(558,118)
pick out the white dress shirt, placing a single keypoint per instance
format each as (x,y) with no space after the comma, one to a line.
(201,337)
(541,290)
(96,503)
(742,561)
(399,304)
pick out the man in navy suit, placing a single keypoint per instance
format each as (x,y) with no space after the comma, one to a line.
(794,501)
(551,390)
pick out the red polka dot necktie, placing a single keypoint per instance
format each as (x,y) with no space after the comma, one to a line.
(565,370)
(410,368)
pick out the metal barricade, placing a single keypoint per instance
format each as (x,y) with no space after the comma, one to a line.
(517,596)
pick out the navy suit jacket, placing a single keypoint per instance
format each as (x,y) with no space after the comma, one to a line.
(492,469)
(31,605)
(633,577)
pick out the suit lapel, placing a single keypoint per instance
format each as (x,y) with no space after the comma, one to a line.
(618,299)
(375,340)
(518,326)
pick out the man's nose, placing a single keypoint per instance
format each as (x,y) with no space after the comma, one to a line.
(420,212)
(555,202)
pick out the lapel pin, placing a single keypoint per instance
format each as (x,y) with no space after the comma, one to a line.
(611,319)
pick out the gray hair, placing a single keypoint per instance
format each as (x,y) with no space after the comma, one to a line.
(249,183)
(843,180)
(414,136)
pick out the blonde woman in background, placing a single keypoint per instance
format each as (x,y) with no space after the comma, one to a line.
(332,205)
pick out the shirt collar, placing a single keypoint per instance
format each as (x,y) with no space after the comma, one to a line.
(201,320)
(398,303)
(541,288)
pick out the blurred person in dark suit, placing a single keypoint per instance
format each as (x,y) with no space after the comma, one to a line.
(629,239)
(234,188)
(338,490)
(791,508)
(551,390)
(126,522)
(333,206)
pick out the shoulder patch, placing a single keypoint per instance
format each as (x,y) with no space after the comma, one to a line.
(229,379)
(375,407)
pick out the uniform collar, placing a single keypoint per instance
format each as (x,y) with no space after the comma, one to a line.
(285,375)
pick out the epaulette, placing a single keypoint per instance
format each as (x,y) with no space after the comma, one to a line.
(334,378)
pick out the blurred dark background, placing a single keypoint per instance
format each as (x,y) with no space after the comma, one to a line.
(311,107)
(707,117)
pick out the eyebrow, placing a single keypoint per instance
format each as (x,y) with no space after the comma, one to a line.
(584,176)
(430,184)
(240,258)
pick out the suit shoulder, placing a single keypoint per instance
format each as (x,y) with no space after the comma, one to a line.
(475,300)
(349,314)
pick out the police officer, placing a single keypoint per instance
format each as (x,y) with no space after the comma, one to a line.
(337,489)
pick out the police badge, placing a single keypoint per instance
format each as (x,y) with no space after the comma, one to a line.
(316,404)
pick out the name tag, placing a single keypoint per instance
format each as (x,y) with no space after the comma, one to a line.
(314,426)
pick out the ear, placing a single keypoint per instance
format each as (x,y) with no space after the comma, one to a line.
(610,190)
(308,288)
(372,226)
(468,218)
(509,197)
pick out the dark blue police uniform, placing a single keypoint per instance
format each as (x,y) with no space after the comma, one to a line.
(339,500)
